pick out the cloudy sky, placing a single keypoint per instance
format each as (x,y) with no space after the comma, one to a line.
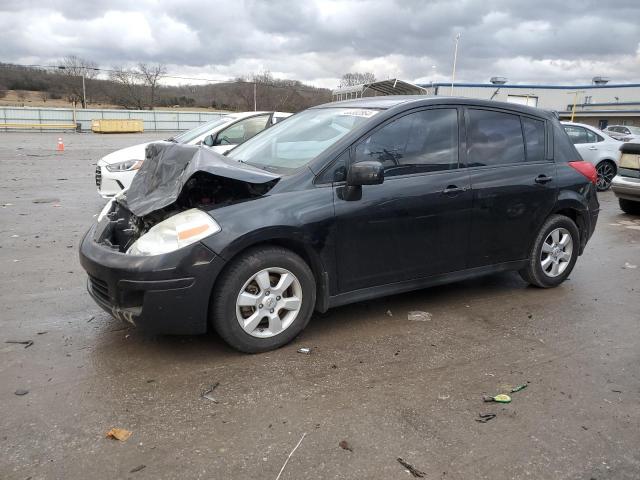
(316,41)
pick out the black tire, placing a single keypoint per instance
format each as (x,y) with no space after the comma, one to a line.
(629,206)
(533,273)
(606,171)
(230,283)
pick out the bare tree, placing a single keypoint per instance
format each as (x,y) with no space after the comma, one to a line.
(151,75)
(357,78)
(44,96)
(129,88)
(75,68)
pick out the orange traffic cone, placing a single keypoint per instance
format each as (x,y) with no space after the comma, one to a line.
(60,145)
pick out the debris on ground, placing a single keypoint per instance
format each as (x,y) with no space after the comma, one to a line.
(26,343)
(485,417)
(389,313)
(629,265)
(287,459)
(137,469)
(417,316)
(42,332)
(410,468)
(119,434)
(21,391)
(502,398)
(304,350)
(345,445)
(46,200)
(207,392)
(517,388)
(443,397)
(91,319)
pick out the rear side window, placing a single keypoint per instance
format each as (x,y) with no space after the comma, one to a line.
(425,141)
(577,135)
(494,138)
(534,139)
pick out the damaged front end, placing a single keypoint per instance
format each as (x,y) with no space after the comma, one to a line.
(169,195)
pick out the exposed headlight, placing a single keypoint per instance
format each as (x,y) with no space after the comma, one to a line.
(105,210)
(125,166)
(175,232)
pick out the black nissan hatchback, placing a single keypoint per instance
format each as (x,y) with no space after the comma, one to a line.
(340,203)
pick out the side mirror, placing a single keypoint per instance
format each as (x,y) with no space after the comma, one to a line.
(209,141)
(369,172)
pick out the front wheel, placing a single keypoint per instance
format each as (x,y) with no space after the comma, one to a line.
(263,299)
(553,253)
(606,170)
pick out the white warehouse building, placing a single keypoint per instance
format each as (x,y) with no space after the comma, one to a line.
(599,104)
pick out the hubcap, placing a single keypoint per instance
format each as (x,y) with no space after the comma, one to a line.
(556,252)
(605,175)
(269,302)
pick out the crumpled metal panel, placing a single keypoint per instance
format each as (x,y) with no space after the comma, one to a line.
(168,166)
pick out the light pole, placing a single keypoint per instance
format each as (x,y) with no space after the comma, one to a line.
(81,74)
(455,59)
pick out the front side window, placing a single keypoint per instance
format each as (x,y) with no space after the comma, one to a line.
(425,141)
(534,138)
(242,131)
(493,138)
(577,135)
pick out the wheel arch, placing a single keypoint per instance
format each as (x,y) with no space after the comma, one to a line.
(295,242)
(576,211)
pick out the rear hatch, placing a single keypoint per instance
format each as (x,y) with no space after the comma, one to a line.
(630,160)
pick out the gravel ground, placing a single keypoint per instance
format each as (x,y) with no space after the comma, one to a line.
(387,386)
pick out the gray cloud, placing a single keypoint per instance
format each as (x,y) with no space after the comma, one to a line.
(316,41)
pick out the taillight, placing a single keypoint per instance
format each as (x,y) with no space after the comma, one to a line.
(587,169)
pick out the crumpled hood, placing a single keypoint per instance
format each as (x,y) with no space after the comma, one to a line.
(168,166)
(135,152)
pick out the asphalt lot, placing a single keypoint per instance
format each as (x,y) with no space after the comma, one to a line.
(388,386)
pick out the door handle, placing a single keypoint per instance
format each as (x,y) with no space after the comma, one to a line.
(593,148)
(543,179)
(452,189)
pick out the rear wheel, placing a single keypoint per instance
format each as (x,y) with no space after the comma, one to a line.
(553,254)
(606,171)
(629,206)
(263,300)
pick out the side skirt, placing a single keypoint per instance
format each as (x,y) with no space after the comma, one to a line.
(417,284)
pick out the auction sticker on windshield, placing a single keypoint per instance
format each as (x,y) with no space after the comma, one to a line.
(359,112)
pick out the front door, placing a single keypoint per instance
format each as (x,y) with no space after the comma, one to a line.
(416,223)
(513,182)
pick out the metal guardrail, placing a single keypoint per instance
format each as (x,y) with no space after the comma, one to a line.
(43,119)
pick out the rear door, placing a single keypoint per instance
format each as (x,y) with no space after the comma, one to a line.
(416,223)
(585,142)
(514,189)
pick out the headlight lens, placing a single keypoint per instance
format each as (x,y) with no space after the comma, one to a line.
(175,232)
(125,166)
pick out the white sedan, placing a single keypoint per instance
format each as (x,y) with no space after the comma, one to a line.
(597,148)
(115,171)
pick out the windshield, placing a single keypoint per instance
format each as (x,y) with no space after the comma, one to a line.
(290,145)
(189,135)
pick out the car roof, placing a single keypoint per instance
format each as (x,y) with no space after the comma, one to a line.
(391,101)
(237,115)
(578,124)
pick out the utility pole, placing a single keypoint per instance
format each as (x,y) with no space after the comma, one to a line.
(84,93)
(255,98)
(455,59)
(575,100)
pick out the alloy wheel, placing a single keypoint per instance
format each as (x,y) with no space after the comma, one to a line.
(606,172)
(269,302)
(556,253)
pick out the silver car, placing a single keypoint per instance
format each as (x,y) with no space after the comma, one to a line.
(600,150)
(624,133)
(626,185)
